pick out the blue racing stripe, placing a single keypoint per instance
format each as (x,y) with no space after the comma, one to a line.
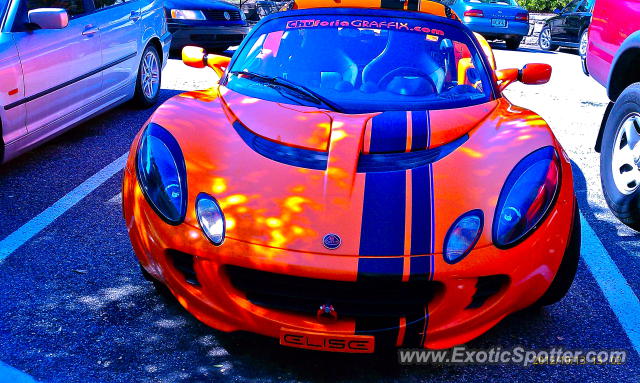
(420,268)
(421,211)
(380,268)
(420,130)
(383,214)
(389,132)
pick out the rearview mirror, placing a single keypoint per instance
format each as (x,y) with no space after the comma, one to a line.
(196,57)
(530,74)
(49,18)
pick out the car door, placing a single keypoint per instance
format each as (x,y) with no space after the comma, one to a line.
(61,67)
(573,22)
(119,23)
(559,25)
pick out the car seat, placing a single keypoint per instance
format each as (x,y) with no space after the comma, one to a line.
(406,50)
(322,62)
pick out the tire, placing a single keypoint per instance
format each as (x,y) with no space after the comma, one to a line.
(544,41)
(620,171)
(149,78)
(584,44)
(513,43)
(567,271)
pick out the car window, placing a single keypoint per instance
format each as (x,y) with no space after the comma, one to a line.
(364,63)
(3,8)
(585,6)
(571,6)
(108,3)
(73,7)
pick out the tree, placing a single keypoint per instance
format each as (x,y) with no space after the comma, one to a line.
(542,5)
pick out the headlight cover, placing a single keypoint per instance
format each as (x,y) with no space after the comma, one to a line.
(463,236)
(211,218)
(527,197)
(187,14)
(162,174)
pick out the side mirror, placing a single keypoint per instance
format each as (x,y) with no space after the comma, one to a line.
(196,57)
(557,11)
(49,18)
(535,74)
(530,74)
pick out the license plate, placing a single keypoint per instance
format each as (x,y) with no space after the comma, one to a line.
(357,344)
(501,23)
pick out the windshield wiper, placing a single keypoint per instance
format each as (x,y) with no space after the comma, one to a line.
(307,93)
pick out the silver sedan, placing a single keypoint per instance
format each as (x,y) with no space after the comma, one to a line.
(64,61)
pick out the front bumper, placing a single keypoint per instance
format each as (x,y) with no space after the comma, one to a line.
(206,36)
(468,298)
(483,26)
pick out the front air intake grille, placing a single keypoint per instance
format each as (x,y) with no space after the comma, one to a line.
(183,263)
(487,287)
(371,298)
(219,15)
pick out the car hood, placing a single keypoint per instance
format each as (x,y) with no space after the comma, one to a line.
(288,176)
(311,128)
(200,5)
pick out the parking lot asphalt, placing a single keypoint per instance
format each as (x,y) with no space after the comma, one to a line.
(75,308)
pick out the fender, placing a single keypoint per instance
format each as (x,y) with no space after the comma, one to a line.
(624,66)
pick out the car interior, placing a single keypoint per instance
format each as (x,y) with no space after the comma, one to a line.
(365,61)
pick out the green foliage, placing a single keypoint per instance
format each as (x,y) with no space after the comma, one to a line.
(542,5)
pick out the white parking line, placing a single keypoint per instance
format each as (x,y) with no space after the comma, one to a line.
(30,229)
(621,297)
(9,374)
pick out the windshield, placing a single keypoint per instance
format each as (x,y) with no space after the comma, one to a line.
(3,9)
(361,64)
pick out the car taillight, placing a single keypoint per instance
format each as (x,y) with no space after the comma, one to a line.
(474,13)
(522,16)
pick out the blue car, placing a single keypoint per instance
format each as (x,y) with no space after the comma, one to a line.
(494,19)
(210,24)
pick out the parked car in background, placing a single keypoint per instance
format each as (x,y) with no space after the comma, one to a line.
(569,28)
(211,24)
(613,59)
(494,19)
(260,9)
(61,66)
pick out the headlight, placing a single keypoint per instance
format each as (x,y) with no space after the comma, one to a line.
(463,236)
(162,174)
(211,218)
(187,14)
(527,196)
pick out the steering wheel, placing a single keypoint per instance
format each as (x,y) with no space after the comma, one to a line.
(405,71)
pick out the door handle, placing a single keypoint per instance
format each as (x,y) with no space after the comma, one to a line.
(134,16)
(89,30)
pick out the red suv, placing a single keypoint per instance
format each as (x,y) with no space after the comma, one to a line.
(613,59)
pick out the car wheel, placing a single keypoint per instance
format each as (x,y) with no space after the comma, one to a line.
(567,271)
(149,77)
(513,43)
(544,41)
(584,44)
(620,158)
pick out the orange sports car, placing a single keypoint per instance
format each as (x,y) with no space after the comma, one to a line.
(356,181)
